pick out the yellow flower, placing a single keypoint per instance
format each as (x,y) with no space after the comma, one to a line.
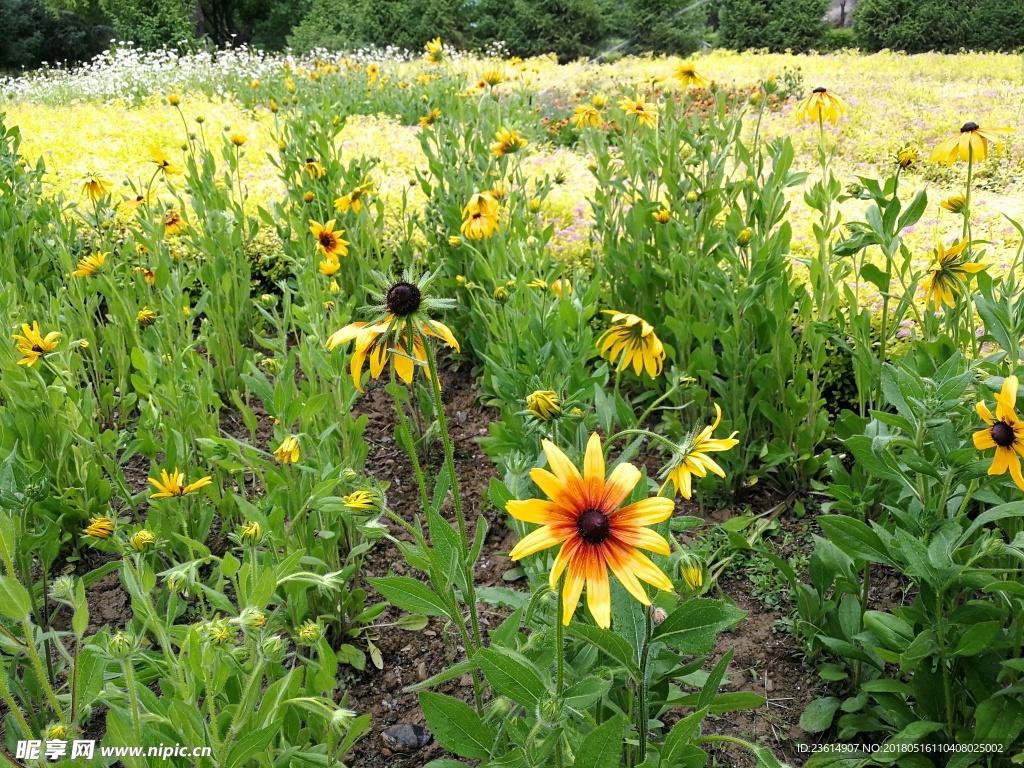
(56,731)
(131,204)
(359,501)
(388,337)
(599,101)
(173,99)
(744,236)
(587,114)
(493,77)
(250,533)
(329,266)
(428,120)
(954,203)
(33,345)
(543,404)
(1005,433)
(693,459)
(354,199)
(906,158)
(480,217)
(148,275)
(632,340)
(328,242)
(142,540)
(288,450)
(500,294)
(562,286)
(309,632)
(100,528)
(538,284)
(238,139)
(819,107)
(313,168)
(687,74)
(372,73)
(662,215)
(90,265)
(95,187)
(454,241)
(970,145)
(171,485)
(308,197)
(173,222)
(692,572)
(435,50)
(584,516)
(334,287)
(948,276)
(163,161)
(507,142)
(645,113)
(146,316)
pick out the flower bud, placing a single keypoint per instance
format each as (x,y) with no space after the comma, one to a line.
(142,541)
(250,533)
(120,645)
(743,238)
(500,294)
(543,404)
(272,648)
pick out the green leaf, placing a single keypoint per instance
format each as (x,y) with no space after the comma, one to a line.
(678,740)
(15,602)
(512,675)
(818,715)
(977,638)
(247,746)
(410,595)
(854,538)
(456,726)
(602,747)
(608,642)
(693,627)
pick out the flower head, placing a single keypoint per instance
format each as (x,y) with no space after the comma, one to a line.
(906,158)
(584,515)
(492,77)
(173,484)
(329,266)
(90,265)
(435,50)
(949,275)
(692,572)
(562,287)
(309,633)
(33,345)
(402,313)
(360,501)
(250,533)
(588,114)
(100,528)
(95,187)
(238,139)
(145,316)
(354,199)
(631,340)
(693,459)
(819,107)
(288,450)
(1005,433)
(686,73)
(142,541)
(428,119)
(506,142)
(480,217)
(970,144)
(543,404)
(662,215)
(646,113)
(173,222)
(131,204)
(163,161)
(954,203)
(313,168)
(328,242)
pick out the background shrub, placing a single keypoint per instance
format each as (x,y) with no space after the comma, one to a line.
(918,26)
(773,24)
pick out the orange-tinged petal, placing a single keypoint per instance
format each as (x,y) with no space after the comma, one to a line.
(599,596)
(542,538)
(552,487)
(619,485)
(572,588)
(644,538)
(656,509)
(619,561)
(562,468)
(534,511)
(594,468)
(644,568)
(565,556)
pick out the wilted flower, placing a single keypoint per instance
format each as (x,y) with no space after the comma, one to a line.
(692,457)
(949,275)
(543,404)
(313,168)
(95,187)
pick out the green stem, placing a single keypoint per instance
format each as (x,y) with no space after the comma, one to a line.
(242,713)
(37,665)
(410,448)
(133,697)
(947,684)
(559,657)
(210,708)
(12,706)
(642,715)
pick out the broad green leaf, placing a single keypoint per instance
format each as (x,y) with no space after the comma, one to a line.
(818,715)
(456,726)
(410,595)
(602,747)
(693,627)
(512,675)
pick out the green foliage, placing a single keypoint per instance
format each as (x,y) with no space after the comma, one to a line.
(918,26)
(569,28)
(777,25)
(153,23)
(31,33)
(659,26)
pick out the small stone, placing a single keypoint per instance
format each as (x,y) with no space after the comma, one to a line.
(429,633)
(465,681)
(421,670)
(769,686)
(462,417)
(405,738)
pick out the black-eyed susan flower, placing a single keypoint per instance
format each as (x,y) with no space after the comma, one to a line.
(507,142)
(163,161)
(95,187)
(583,514)
(493,77)
(819,107)
(480,217)
(100,528)
(646,113)
(1005,432)
(906,158)
(237,138)
(970,144)
(954,203)
(402,313)
(631,341)
(174,223)
(328,242)
(543,404)
(372,73)
(329,266)
(587,115)
(949,275)
(131,204)
(435,50)
(692,457)
(360,501)
(147,274)
(662,215)
(687,75)
(173,484)
(142,541)
(313,168)
(354,199)
(288,451)
(33,345)
(145,316)
(90,265)
(173,99)
(428,119)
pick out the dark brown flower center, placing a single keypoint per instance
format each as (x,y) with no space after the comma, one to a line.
(819,89)
(326,239)
(1002,434)
(403,298)
(593,526)
(36,348)
(310,160)
(968,127)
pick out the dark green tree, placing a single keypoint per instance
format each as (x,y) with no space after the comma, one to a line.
(663,26)
(777,25)
(571,29)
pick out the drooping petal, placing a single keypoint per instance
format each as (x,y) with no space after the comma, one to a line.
(644,538)
(565,556)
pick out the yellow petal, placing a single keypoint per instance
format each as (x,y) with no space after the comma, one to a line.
(542,538)
(645,512)
(599,596)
